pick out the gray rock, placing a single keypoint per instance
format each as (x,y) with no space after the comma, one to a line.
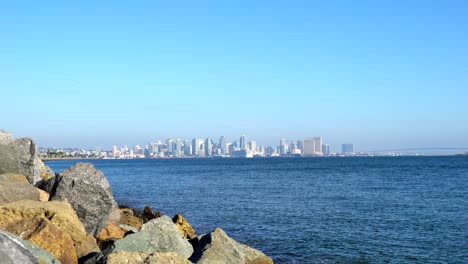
(16,250)
(218,247)
(19,156)
(89,193)
(157,235)
(29,161)
(5,138)
(128,228)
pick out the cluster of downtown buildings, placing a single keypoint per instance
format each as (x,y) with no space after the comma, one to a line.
(198,147)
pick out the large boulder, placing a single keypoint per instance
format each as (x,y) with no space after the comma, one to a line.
(19,156)
(218,247)
(158,235)
(89,193)
(41,232)
(16,250)
(184,227)
(60,214)
(145,258)
(15,187)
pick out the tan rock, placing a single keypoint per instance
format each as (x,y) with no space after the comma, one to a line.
(41,232)
(45,172)
(114,216)
(127,217)
(43,195)
(12,178)
(59,214)
(183,226)
(110,230)
(15,187)
(123,257)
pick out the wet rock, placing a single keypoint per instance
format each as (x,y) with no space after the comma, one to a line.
(149,214)
(218,247)
(184,227)
(41,232)
(89,193)
(158,235)
(16,250)
(146,258)
(60,214)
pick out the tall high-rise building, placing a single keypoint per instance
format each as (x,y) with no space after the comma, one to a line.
(253,146)
(170,145)
(208,147)
(114,151)
(326,149)
(347,149)
(318,145)
(223,145)
(300,145)
(284,146)
(178,147)
(197,149)
(243,142)
(187,148)
(136,149)
(309,147)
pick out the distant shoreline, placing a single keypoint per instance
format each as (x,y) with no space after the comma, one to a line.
(52,159)
(377,156)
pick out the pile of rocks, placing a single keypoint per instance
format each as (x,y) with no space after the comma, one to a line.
(72,217)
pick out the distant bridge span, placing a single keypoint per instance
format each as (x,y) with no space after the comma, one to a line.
(415,149)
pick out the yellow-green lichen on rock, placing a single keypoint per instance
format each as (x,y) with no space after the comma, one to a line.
(60,214)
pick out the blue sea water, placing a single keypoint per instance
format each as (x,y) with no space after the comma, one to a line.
(311,210)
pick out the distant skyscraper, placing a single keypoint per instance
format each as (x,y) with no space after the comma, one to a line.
(187,148)
(243,142)
(300,145)
(178,147)
(253,146)
(170,145)
(136,149)
(223,145)
(197,149)
(326,149)
(318,145)
(347,149)
(114,151)
(309,147)
(284,146)
(208,147)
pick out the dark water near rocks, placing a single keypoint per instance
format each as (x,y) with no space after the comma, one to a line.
(311,210)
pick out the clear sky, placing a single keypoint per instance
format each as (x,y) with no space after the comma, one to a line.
(379,74)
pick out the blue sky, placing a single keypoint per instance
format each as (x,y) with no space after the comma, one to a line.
(380,74)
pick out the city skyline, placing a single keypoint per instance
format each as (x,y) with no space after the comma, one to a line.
(309,146)
(383,75)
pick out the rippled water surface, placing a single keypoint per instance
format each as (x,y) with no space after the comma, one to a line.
(311,210)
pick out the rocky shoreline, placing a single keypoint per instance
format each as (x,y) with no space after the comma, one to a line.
(72,217)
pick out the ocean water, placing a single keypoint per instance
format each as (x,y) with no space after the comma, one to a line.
(311,210)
